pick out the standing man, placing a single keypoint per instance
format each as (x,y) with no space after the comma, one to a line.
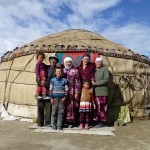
(101,91)
(45,105)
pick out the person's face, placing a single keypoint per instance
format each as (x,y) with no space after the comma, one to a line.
(86,85)
(40,58)
(86,60)
(58,73)
(53,62)
(98,64)
(68,64)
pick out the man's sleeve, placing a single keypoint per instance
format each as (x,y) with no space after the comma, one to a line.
(51,89)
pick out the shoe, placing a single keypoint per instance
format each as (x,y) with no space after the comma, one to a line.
(95,119)
(54,128)
(70,126)
(86,126)
(47,125)
(40,125)
(45,97)
(100,125)
(38,97)
(81,126)
(59,128)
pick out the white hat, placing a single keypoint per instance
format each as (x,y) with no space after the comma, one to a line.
(99,59)
(68,59)
(54,55)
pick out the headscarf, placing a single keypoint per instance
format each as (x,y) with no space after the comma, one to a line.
(67,59)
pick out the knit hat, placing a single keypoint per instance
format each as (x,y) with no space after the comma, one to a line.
(99,59)
(68,59)
(54,55)
(86,54)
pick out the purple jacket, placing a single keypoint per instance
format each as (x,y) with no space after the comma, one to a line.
(40,66)
(87,73)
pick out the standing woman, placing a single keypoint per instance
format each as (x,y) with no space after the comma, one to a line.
(87,72)
(101,91)
(72,75)
(86,69)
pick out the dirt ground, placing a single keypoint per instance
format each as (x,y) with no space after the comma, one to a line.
(16,135)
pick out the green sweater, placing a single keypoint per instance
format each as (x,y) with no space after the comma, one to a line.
(102,78)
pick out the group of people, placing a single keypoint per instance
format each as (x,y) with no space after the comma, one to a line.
(71,95)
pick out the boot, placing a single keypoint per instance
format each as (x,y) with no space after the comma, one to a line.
(86,126)
(45,97)
(100,125)
(81,126)
(38,96)
(70,126)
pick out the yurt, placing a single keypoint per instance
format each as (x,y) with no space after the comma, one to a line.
(129,83)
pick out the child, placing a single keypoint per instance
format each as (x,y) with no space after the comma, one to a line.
(86,102)
(58,93)
(41,76)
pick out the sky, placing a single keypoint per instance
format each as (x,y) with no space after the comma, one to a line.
(126,22)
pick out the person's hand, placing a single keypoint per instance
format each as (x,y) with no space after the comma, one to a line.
(94,106)
(43,82)
(77,105)
(63,100)
(91,90)
(52,101)
(93,83)
(38,82)
(76,96)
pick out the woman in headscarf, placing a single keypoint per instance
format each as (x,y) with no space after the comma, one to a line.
(72,75)
(87,72)
(86,69)
(101,91)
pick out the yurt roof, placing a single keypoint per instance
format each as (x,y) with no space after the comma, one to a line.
(73,40)
(77,37)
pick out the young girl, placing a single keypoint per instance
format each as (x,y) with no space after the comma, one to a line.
(41,76)
(86,102)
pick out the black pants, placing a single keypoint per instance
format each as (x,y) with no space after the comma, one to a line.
(43,112)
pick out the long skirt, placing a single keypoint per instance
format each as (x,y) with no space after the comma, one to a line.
(71,111)
(101,112)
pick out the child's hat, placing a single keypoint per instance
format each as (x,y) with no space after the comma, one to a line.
(99,59)
(68,59)
(54,55)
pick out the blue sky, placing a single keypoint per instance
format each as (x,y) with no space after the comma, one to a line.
(126,22)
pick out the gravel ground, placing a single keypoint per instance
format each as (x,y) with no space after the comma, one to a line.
(16,135)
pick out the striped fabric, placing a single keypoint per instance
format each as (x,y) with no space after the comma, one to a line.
(85,107)
(58,87)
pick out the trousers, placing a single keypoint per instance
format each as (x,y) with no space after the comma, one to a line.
(43,112)
(58,110)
